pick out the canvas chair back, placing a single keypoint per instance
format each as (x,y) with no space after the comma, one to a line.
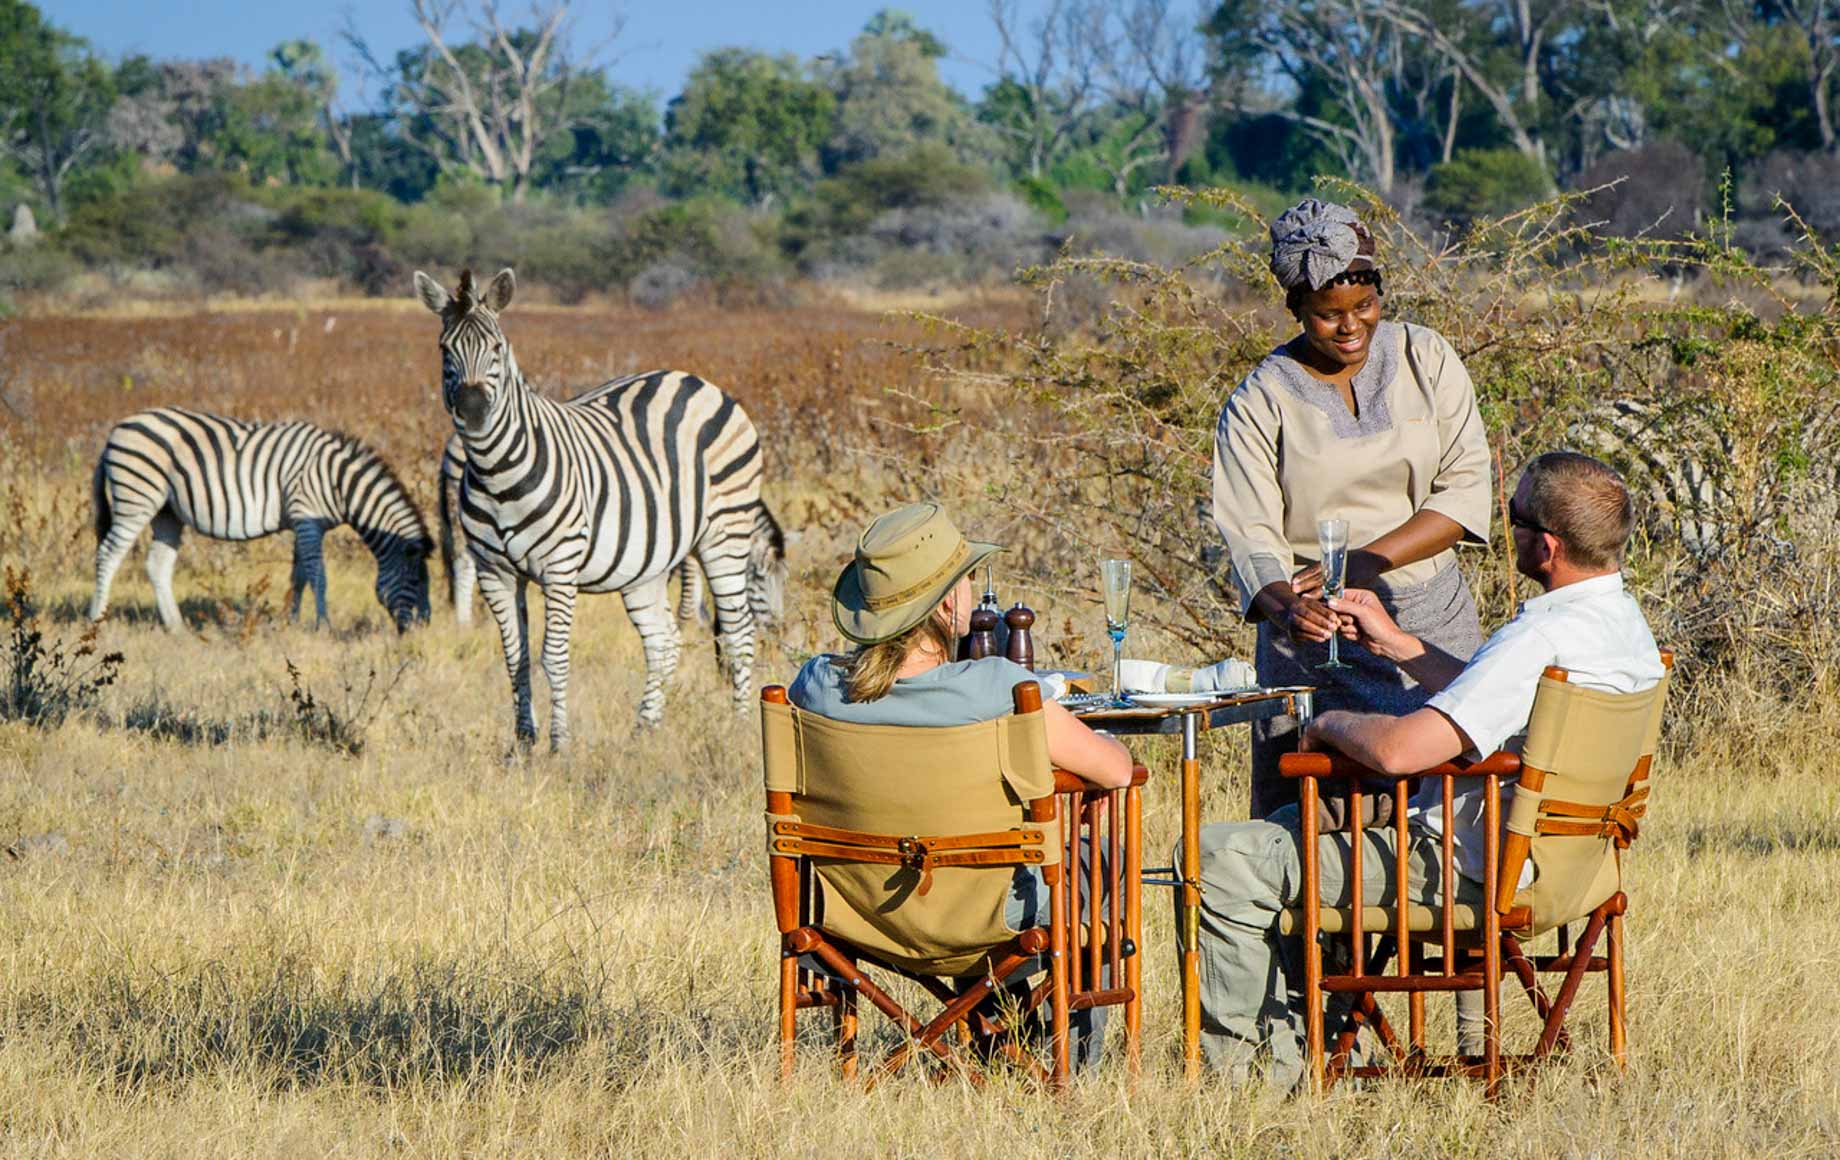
(912,782)
(1583,790)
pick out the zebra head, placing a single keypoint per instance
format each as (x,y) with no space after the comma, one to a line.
(402,580)
(477,368)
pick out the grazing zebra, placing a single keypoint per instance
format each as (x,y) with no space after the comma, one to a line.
(606,493)
(234,480)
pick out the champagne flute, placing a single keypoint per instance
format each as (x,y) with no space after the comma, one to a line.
(1332,542)
(1117,577)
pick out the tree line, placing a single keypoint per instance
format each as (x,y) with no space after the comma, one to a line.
(1449,109)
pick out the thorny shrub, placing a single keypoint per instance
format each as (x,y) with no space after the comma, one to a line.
(345,727)
(46,683)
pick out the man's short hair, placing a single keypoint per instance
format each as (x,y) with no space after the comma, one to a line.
(1584,503)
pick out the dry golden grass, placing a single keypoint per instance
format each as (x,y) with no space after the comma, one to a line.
(221,938)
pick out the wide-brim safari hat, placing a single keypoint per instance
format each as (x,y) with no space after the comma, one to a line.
(906,563)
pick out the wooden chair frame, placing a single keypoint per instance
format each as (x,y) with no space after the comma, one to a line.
(1082,940)
(1475,961)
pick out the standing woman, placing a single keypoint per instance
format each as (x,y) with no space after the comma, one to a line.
(1355,418)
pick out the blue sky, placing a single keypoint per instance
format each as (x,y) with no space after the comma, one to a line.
(660,43)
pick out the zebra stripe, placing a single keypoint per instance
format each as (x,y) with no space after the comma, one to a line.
(766,573)
(608,492)
(234,480)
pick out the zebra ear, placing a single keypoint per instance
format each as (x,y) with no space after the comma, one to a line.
(430,292)
(498,294)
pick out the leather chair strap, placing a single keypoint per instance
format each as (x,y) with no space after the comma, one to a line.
(1021,847)
(1620,820)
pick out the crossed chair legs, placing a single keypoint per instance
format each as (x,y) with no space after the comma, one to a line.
(841,981)
(1408,1056)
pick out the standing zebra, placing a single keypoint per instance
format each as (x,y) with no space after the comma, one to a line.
(606,493)
(234,480)
(766,589)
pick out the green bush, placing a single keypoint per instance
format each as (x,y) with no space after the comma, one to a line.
(712,237)
(145,223)
(846,203)
(354,216)
(35,268)
(433,238)
(1043,197)
(1479,183)
(1232,213)
(551,244)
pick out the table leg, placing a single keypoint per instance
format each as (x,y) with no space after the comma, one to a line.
(1134,928)
(1191,898)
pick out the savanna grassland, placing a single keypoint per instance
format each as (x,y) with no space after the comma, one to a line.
(249,912)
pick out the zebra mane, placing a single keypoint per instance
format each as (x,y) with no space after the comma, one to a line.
(359,448)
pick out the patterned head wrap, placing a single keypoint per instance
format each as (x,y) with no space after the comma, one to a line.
(1315,242)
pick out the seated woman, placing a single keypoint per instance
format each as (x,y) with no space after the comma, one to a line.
(905,600)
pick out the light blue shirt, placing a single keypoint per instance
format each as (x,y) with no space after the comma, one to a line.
(1591,629)
(958,693)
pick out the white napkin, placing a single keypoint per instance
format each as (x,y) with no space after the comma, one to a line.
(1155,677)
(1053,682)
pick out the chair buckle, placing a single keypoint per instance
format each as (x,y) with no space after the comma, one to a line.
(916,854)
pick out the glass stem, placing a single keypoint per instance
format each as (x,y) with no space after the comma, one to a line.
(1335,640)
(1118,667)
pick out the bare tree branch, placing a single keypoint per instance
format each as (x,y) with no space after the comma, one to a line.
(489,105)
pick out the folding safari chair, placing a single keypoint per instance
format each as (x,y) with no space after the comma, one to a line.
(892,852)
(1582,791)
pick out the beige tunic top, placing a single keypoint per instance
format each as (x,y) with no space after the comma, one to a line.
(1287,452)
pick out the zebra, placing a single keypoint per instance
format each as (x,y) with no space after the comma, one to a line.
(766,589)
(606,493)
(235,480)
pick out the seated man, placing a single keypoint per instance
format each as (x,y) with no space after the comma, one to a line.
(904,601)
(1571,517)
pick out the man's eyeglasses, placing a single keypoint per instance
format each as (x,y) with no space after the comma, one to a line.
(1519,520)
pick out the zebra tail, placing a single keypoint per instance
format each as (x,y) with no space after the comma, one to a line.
(99,494)
(767,569)
(445,498)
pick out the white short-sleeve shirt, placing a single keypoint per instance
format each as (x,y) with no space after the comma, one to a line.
(1593,630)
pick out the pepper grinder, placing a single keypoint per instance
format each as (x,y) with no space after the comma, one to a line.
(1021,642)
(981,641)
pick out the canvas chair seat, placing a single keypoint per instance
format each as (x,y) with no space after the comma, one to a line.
(897,849)
(1581,796)
(1579,801)
(926,909)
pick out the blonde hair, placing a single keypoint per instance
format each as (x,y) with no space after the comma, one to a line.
(870,671)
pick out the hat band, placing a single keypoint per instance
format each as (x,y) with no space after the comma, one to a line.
(881,603)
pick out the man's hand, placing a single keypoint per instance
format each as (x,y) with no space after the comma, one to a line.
(1311,741)
(1365,621)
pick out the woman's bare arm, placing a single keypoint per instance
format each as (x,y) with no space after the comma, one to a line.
(1098,760)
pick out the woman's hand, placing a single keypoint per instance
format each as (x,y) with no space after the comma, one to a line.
(1306,619)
